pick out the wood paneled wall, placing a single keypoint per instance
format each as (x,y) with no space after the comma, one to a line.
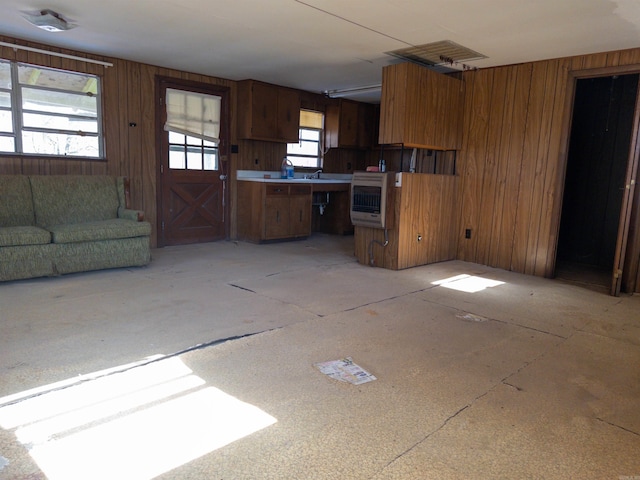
(513,158)
(128,99)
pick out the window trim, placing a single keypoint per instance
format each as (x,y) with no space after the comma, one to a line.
(17,113)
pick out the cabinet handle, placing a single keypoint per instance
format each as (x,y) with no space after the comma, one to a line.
(277,216)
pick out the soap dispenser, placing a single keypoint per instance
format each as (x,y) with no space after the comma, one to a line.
(286,170)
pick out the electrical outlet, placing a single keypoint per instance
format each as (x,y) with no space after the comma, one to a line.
(467,233)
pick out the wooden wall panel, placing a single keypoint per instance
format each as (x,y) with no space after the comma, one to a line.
(476,127)
(539,185)
(528,170)
(483,237)
(556,149)
(512,161)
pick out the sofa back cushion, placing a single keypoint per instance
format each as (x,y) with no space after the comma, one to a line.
(65,199)
(16,206)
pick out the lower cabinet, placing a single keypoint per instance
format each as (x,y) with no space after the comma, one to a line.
(273,211)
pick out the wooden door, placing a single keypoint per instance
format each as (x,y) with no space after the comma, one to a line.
(192,203)
(627,204)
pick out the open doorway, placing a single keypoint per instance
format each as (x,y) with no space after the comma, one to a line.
(597,164)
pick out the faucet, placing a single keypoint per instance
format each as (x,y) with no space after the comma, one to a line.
(315,174)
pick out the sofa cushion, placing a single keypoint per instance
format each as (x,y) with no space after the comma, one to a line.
(28,235)
(26,261)
(65,199)
(103,230)
(16,206)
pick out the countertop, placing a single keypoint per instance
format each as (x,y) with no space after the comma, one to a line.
(274,177)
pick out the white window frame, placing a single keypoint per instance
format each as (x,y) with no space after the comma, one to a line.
(295,158)
(18,114)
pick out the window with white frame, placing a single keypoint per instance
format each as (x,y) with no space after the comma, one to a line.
(308,151)
(46,111)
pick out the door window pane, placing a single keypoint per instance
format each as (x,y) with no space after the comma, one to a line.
(177,159)
(191,153)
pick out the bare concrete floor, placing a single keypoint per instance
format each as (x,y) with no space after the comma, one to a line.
(201,366)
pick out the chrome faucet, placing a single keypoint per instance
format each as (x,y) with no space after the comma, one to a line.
(316,174)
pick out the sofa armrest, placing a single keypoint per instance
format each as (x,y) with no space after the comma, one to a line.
(127,213)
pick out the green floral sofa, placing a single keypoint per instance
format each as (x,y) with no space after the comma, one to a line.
(57,224)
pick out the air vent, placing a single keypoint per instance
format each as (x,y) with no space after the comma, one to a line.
(443,53)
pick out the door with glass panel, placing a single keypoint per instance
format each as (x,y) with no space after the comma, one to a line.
(193,163)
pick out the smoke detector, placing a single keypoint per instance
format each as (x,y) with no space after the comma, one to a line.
(48,20)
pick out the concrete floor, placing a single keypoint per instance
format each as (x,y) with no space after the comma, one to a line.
(127,374)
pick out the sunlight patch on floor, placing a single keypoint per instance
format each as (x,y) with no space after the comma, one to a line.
(467,283)
(136,424)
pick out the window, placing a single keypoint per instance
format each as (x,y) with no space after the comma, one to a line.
(191,153)
(308,151)
(45,111)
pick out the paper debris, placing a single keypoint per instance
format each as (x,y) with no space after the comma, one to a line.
(345,370)
(471,317)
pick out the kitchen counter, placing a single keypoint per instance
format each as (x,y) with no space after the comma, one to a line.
(274,177)
(328,182)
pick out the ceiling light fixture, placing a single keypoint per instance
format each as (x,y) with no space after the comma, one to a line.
(48,20)
(347,92)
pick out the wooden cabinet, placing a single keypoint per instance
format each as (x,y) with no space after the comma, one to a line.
(273,211)
(268,112)
(420,108)
(349,124)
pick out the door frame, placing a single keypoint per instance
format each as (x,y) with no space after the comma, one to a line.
(629,208)
(224,147)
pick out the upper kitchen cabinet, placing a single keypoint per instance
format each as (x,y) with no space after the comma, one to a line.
(268,112)
(420,108)
(349,124)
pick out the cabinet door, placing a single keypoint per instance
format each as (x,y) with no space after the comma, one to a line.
(276,211)
(348,131)
(420,108)
(288,123)
(300,215)
(264,110)
(300,210)
(276,217)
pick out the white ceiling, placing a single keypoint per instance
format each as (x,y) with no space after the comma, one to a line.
(319,45)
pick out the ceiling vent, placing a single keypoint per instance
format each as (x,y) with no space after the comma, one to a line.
(441,56)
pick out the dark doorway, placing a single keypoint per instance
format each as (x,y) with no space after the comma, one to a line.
(597,163)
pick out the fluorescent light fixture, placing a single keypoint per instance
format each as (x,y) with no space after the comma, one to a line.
(48,20)
(347,92)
